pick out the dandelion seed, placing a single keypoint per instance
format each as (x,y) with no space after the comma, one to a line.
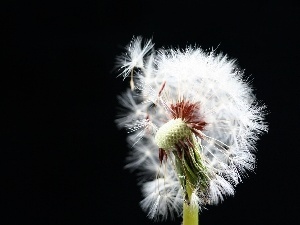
(133,58)
(193,123)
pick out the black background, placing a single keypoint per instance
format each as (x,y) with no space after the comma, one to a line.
(62,156)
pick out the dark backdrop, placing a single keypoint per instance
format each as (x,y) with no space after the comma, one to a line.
(61,154)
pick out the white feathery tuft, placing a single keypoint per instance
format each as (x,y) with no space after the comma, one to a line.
(163,196)
(134,56)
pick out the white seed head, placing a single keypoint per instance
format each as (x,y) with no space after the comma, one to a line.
(171,132)
(234,121)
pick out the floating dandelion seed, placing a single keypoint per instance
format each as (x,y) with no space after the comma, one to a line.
(193,122)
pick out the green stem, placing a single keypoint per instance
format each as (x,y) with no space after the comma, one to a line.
(190,212)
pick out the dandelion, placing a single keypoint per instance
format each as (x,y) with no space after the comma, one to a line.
(192,122)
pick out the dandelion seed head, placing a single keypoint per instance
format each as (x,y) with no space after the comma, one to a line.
(192,119)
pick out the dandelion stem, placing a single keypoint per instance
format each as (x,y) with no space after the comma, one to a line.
(190,211)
